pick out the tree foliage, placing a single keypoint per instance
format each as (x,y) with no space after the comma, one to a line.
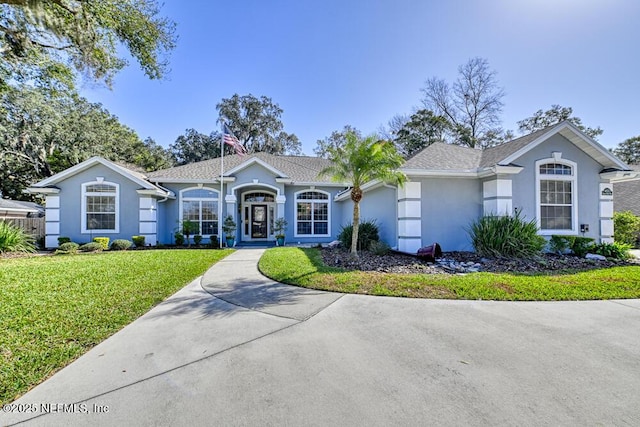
(421,130)
(472,104)
(257,125)
(51,37)
(46,131)
(194,146)
(629,150)
(359,161)
(334,141)
(556,114)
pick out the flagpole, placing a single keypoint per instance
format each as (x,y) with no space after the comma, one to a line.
(221,185)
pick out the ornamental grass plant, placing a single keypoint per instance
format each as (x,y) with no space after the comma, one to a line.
(506,237)
(14,239)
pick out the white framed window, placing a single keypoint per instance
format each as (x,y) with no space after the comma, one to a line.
(556,196)
(200,206)
(313,214)
(100,207)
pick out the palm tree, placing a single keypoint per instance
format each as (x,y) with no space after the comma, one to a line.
(359,161)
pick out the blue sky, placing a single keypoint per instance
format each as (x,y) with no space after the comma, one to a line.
(330,63)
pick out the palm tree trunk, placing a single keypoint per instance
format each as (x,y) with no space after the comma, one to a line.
(356,226)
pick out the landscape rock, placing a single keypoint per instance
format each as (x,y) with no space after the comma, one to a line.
(597,257)
(461,263)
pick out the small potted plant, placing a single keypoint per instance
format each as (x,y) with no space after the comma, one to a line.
(229,229)
(279,227)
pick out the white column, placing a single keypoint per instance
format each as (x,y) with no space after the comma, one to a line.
(148,220)
(606,212)
(52,221)
(231,200)
(410,217)
(280,200)
(497,197)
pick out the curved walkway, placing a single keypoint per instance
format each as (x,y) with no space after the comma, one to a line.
(234,348)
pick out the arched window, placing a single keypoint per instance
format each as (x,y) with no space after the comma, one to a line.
(100,207)
(556,196)
(200,206)
(259,197)
(312,213)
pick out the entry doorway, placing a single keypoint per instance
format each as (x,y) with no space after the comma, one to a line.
(258,214)
(259,222)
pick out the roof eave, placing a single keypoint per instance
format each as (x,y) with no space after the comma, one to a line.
(620,175)
(42,190)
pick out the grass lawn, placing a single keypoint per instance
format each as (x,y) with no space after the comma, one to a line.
(55,308)
(304,267)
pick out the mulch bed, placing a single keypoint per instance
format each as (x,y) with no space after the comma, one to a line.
(395,262)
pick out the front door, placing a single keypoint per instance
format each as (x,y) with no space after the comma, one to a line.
(258,221)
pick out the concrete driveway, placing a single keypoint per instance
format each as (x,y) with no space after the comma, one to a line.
(234,348)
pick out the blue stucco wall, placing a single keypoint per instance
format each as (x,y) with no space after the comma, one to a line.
(380,205)
(524,183)
(71,199)
(448,207)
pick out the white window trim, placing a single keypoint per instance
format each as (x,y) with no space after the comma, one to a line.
(199,199)
(83,207)
(295,212)
(574,193)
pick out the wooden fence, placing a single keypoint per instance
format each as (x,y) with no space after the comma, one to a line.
(32,226)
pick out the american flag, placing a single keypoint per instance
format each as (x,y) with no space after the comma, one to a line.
(230,139)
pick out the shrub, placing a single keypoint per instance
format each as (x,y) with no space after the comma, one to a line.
(578,245)
(121,245)
(506,236)
(104,242)
(581,245)
(626,228)
(62,240)
(559,244)
(197,239)
(91,247)
(14,239)
(367,233)
(612,250)
(67,248)
(138,241)
(379,248)
(214,243)
(179,238)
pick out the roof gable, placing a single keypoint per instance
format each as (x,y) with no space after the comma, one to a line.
(252,161)
(136,177)
(575,136)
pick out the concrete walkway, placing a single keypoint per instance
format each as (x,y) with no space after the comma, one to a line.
(234,348)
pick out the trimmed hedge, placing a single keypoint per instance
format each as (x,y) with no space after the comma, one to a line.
(138,241)
(104,242)
(91,247)
(68,248)
(121,245)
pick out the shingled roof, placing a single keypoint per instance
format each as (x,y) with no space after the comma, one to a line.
(447,157)
(441,156)
(297,168)
(626,194)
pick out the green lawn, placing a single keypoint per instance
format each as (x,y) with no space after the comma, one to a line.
(53,309)
(304,267)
